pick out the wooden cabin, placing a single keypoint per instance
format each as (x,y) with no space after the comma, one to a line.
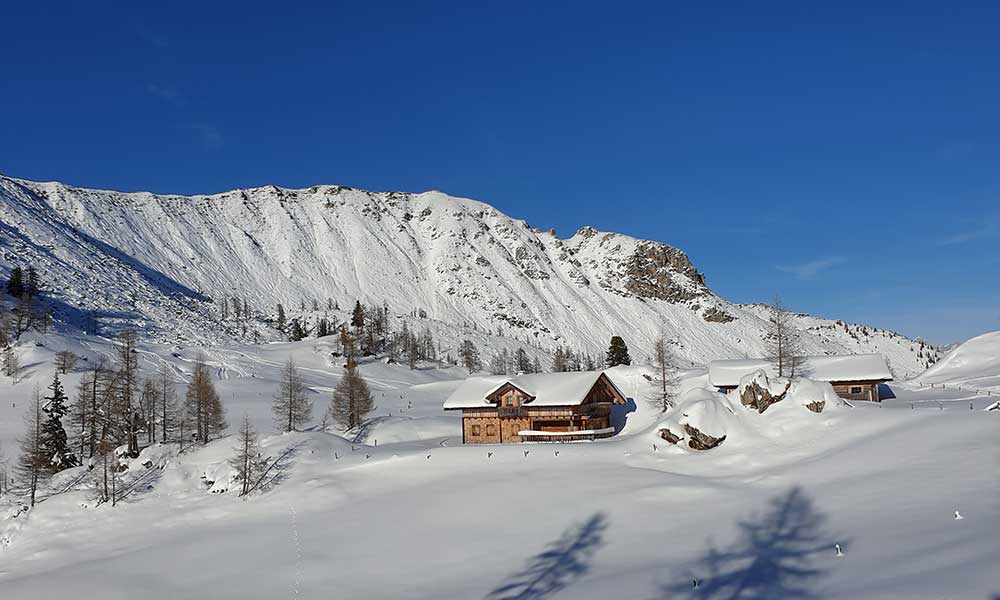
(853,376)
(536,407)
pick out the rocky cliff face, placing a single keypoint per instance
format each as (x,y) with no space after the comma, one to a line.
(165,262)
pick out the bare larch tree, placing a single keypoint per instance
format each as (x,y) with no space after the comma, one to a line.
(665,378)
(292,407)
(248,463)
(202,404)
(351,400)
(783,342)
(32,464)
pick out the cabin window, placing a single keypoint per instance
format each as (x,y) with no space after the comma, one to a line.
(491,430)
(856,389)
(475,430)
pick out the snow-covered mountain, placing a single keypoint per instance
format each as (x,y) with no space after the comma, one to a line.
(164,262)
(974,365)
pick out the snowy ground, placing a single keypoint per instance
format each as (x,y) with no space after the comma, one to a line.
(421,516)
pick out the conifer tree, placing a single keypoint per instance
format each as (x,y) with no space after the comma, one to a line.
(358,319)
(54,439)
(521,362)
(281,318)
(470,356)
(559,360)
(15,283)
(291,406)
(32,285)
(248,463)
(32,464)
(296,333)
(618,353)
(322,328)
(351,400)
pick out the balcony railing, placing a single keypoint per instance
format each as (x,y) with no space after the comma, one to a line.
(509,412)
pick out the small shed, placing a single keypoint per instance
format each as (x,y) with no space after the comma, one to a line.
(536,407)
(853,376)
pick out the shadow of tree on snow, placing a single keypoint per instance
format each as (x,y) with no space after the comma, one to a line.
(778,555)
(561,563)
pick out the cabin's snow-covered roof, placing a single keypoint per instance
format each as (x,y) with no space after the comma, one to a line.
(851,367)
(548,389)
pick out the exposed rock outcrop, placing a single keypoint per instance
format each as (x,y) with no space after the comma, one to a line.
(817,406)
(652,271)
(701,441)
(670,436)
(755,392)
(717,315)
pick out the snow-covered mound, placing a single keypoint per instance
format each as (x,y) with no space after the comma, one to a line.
(165,263)
(701,417)
(974,364)
(705,418)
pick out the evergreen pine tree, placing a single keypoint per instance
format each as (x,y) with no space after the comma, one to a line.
(296,333)
(558,360)
(470,356)
(618,353)
(322,328)
(15,283)
(358,319)
(55,443)
(281,318)
(32,285)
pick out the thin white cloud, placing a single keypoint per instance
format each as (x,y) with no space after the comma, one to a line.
(811,270)
(151,37)
(211,138)
(166,93)
(963,237)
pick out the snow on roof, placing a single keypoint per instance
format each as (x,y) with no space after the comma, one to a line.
(851,367)
(548,389)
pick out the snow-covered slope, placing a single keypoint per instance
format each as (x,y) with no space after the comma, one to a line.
(405,511)
(165,262)
(974,364)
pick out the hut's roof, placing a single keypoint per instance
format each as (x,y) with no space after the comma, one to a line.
(546,389)
(851,367)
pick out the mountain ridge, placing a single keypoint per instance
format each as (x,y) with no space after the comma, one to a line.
(163,262)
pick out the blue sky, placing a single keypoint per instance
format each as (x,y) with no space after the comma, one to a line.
(845,155)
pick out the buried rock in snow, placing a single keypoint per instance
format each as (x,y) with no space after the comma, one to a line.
(703,418)
(701,441)
(757,392)
(670,436)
